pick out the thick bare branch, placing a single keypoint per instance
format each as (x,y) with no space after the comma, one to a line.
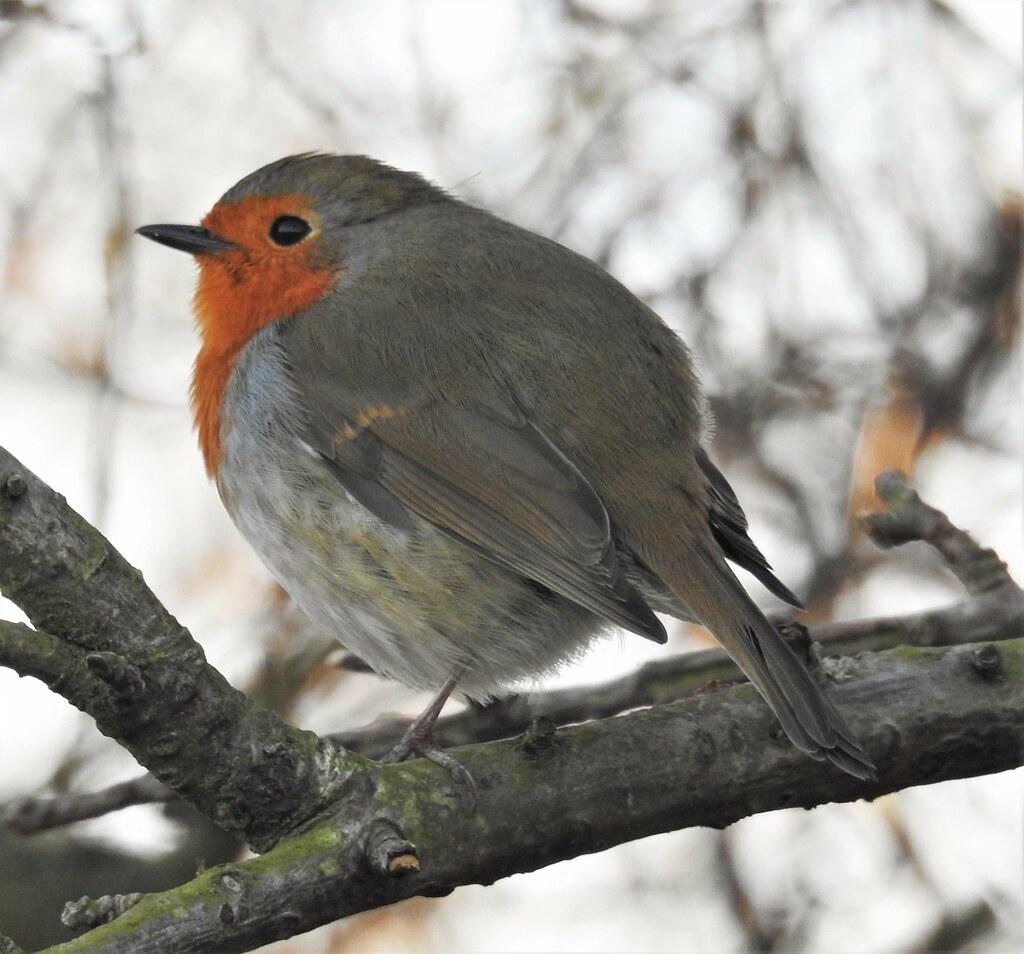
(924,715)
(373,834)
(117,653)
(995,615)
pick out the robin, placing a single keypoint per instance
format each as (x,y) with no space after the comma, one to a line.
(461,447)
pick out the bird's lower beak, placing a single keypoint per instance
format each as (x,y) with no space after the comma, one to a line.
(186,238)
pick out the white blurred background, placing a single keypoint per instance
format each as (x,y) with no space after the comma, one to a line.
(823,198)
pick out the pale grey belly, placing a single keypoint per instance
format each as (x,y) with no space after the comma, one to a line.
(412,605)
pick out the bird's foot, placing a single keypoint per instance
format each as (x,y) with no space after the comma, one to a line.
(418,742)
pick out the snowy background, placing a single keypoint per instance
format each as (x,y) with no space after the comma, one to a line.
(823,198)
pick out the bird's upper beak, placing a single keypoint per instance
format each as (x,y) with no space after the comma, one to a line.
(187,238)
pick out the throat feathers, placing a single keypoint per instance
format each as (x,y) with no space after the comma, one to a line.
(238,293)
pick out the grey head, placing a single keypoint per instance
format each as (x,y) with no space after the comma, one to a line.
(340,192)
(343,190)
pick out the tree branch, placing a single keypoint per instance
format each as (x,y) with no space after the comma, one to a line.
(29,815)
(352,835)
(989,618)
(64,668)
(923,714)
(908,518)
(995,615)
(104,640)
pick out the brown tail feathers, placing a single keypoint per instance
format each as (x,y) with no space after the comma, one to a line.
(808,718)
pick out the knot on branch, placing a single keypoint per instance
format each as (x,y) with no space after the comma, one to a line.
(232,884)
(89,912)
(388,851)
(987,661)
(232,814)
(124,680)
(7,946)
(539,736)
(13,486)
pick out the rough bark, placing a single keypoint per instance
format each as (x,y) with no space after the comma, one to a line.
(104,641)
(923,714)
(991,616)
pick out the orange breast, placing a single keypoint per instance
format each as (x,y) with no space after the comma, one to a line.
(242,290)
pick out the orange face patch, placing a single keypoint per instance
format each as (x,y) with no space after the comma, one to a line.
(241,290)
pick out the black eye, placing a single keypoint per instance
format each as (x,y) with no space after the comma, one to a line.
(289,229)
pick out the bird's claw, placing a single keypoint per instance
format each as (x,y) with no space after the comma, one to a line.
(421,745)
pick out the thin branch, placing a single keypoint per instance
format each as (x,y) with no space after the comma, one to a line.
(968,929)
(760,938)
(29,815)
(63,668)
(908,518)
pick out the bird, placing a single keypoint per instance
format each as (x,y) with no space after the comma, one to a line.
(463,449)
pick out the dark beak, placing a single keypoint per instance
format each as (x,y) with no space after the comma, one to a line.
(186,238)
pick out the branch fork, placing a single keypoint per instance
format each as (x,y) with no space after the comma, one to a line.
(341,834)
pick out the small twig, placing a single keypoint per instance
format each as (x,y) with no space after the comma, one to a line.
(759,937)
(7,946)
(389,852)
(124,680)
(908,518)
(91,912)
(29,815)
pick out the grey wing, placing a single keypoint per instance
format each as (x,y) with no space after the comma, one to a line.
(482,474)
